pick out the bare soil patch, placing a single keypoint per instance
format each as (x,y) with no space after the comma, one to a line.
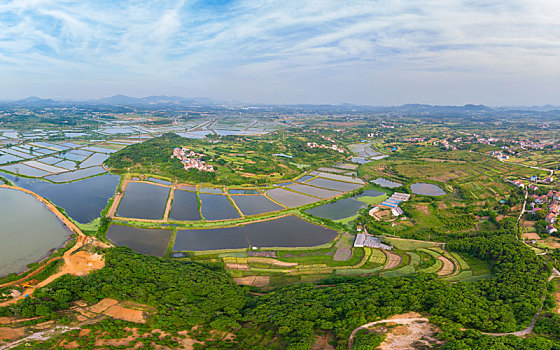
(83,262)
(256,281)
(7,333)
(393,260)
(125,314)
(423,208)
(447,268)
(233,266)
(415,335)
(552,242)
(272,262)
(103,305)
(322,343)
(531,235)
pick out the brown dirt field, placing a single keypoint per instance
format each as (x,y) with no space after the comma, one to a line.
(423,208)
(242,267)
(442,205)
(531,235)
(125,314)
(257,281)
(322,343)
(415,335)
(447,268)
(393,260)
(272,262)
(103,305)
(557,298)
(83,262)
(527,223)
(7,333)
(552,242)
(499,218)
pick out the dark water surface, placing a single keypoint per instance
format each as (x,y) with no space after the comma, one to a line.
(83,200)
(142,240)
(289,231)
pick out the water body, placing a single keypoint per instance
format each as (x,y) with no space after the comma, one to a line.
(341,209)
(386,183)
(253,205)
(83,200)
(185,206)
(305,178)
(426,189)
(217,207)
(29,231)
(76,175)
(242,191)
(160,181)
(289,231)
(141,240)
(143,201)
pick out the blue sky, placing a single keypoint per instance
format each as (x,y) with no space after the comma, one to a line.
(365,52)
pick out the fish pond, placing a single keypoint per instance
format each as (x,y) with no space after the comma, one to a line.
(217,207)
(29,231)
(185,206)
(289,231)
(83,200)
(141,240)
(143,201)
(426,189)
(253,205)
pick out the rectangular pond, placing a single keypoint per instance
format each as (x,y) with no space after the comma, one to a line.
(338,210)
(333,185)
(185,206)
(217,207)
(143,201)
(289,198)
(76,175)
(289,231)
(313,191)
(26,170)
(141,240)
(253,205)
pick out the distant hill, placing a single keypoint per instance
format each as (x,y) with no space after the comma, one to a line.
(153,100)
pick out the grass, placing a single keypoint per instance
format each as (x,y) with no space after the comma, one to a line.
(402,244)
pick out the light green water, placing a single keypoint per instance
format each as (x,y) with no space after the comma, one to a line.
(28,231)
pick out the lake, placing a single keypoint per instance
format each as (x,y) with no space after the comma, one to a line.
(141,240)
(289,231)
(143,201)
(29,231)
(83,200)
(426,189)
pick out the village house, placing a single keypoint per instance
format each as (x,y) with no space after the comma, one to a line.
(191,159)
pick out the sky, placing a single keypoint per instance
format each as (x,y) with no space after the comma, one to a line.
(385,52)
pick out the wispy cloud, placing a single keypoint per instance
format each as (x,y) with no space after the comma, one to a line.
(284,51)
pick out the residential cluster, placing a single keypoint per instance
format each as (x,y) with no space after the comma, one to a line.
(191,159)
(551,198)
(333,147)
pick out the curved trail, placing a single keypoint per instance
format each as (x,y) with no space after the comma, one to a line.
(526,331)
(395,320)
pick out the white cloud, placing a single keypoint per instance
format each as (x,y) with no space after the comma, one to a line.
(249,48)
